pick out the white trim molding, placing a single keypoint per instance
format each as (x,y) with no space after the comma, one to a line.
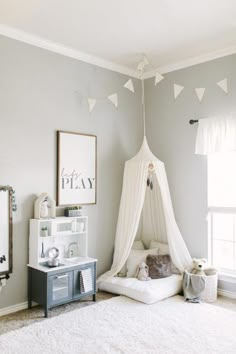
(14,308)
(192,61)
(59,48)
(226,293)
(55,47)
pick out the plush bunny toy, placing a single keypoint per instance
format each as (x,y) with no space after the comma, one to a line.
(142,272)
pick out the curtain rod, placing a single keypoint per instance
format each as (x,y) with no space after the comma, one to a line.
(193,121)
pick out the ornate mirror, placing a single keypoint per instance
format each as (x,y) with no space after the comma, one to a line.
(5,229)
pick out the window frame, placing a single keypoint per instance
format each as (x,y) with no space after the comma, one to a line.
(211,212)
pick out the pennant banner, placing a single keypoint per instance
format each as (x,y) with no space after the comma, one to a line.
(158,78)
(91,104)
(223,84)
(200,93)
(114,99)
(177,90)
(129,85)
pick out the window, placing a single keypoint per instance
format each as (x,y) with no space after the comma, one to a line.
(222,210)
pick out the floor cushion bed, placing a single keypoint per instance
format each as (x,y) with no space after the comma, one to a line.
(148,292)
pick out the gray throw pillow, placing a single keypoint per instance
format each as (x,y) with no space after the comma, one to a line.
(159,266)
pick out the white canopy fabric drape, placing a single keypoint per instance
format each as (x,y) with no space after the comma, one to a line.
(216,135)
(157,205)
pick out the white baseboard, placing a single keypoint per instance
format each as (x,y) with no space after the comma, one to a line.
(15,308)
(226,293)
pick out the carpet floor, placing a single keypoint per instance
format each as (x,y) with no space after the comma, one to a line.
(121,325)
(24,318)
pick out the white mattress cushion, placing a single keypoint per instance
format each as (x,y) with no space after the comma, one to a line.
(144,291)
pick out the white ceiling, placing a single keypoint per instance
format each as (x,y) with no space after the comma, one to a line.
(114,33)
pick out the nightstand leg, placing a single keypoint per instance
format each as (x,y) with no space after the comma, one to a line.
(29,289)
(46,312)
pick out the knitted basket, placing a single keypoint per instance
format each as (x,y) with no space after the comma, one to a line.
(210,292)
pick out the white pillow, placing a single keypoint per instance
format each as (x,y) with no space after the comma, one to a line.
(135,258)
(163,249)
(138,245)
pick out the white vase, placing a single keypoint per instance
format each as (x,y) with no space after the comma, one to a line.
(44,210)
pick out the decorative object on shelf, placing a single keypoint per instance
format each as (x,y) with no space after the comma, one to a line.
(42,252)
(44,207)
(44,231)
(74,225)
(76,169)
(53,257)
(6,207)
(73,211)
(81,227)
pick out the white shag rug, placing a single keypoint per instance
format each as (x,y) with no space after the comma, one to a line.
(122,325)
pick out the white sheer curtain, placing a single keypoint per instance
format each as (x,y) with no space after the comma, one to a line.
(131,205)
(216,135)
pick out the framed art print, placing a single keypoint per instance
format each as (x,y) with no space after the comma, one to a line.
(76,168)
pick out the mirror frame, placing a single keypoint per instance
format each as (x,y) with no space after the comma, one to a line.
(9,189)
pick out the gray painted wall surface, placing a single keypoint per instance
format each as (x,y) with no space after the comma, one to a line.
(39,94)
(172,139)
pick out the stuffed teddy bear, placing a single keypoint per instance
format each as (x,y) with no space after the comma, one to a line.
(142,272)
(199,265)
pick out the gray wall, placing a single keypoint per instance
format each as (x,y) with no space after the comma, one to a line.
(39,94)
(172,139)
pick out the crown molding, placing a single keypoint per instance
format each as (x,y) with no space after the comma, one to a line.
(55,47)
(192,61)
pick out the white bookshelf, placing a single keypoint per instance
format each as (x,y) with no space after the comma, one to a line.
(62,231)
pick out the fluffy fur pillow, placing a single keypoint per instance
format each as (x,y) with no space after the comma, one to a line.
(135,258)
(164,249)
(159,266)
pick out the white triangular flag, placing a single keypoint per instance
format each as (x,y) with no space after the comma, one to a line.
(91,104)
(223,84)
(200,93)
(114,99)
(177,90)
(158,78)
(129,85)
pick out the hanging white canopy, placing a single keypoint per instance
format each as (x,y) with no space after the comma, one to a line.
(152,207)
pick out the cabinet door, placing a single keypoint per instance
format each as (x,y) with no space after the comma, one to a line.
(84,280)
(60,288)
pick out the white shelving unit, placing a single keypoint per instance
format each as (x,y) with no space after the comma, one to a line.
(62,231)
